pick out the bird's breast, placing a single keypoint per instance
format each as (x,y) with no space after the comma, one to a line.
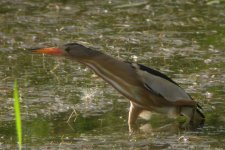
(120,77)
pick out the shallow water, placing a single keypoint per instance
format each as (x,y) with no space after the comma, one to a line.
(65,106)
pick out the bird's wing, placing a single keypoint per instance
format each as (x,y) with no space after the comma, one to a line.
(159,84)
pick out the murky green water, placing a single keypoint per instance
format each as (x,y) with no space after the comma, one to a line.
(65,106)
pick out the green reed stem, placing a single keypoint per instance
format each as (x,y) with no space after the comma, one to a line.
(17,114)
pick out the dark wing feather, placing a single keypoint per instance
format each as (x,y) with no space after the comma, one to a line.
(156,73)
(159,84)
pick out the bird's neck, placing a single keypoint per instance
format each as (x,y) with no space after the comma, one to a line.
(117,73)
(96,58)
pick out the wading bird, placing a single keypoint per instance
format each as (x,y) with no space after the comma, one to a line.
(147,89)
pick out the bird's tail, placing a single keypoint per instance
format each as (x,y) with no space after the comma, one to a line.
(195,116)
(198,118)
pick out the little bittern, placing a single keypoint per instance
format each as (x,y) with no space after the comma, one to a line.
(146,88)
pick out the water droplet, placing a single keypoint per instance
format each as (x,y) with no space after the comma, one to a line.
(208,95)
(134,57)
(207,61)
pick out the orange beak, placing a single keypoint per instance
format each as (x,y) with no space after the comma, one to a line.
(49,50)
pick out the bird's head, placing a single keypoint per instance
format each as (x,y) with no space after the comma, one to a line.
(72,50)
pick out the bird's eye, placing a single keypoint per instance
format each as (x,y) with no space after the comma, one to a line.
(67,49)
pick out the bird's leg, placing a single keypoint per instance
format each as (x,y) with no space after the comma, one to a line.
(133,115)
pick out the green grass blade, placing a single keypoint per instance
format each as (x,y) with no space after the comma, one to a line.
(17,114)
